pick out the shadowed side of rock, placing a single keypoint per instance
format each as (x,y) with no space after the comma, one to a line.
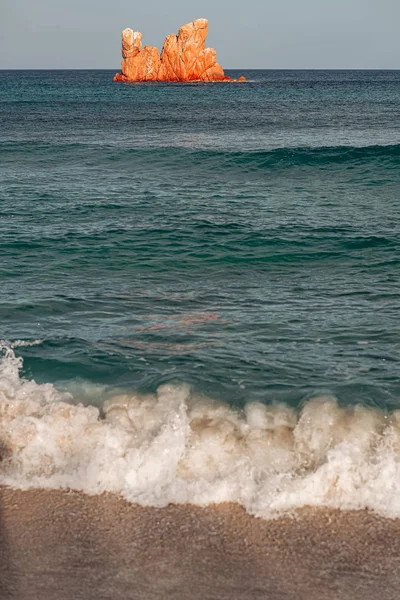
(184,57)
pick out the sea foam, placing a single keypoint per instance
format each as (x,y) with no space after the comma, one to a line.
(178,447)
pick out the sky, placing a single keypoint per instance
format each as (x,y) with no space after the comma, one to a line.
(259,34)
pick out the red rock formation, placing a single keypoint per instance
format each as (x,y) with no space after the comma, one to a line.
(183,57)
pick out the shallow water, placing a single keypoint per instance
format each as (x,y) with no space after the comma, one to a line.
(239,244)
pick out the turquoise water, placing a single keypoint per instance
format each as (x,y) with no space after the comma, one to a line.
(244,239)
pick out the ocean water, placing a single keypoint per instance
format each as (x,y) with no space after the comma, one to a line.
(200,289)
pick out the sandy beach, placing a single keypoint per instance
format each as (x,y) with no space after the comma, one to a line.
(66,545)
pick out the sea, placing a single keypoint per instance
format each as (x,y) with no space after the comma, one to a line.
(200,289)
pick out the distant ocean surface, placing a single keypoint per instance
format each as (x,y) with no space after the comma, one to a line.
(200,287)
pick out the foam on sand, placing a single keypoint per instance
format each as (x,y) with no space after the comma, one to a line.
(175,447)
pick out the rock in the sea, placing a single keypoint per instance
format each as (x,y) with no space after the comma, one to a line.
(184,57)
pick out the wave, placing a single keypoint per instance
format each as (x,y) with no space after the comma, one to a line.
(175,447)
(20,344)
(184,157)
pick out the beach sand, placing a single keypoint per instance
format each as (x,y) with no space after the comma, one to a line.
(66,545)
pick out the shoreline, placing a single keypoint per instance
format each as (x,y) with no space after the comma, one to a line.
(64,544)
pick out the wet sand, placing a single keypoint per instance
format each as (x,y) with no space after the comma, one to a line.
(66,545)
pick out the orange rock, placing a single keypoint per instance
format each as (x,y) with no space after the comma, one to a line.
(119,77)
(143,66)
(131,43)
(183,57)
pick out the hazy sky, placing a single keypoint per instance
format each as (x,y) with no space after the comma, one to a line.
(246,34)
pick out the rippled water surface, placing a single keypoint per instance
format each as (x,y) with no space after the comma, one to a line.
(241,238)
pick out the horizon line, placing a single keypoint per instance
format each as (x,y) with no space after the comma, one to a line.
(225,69)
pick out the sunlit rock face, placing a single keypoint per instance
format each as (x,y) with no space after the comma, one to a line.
(184,57)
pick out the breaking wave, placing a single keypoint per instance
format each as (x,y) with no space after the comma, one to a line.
(176,447)
(183,156)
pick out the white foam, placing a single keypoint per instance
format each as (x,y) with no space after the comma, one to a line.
(174,447)
(4,344)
